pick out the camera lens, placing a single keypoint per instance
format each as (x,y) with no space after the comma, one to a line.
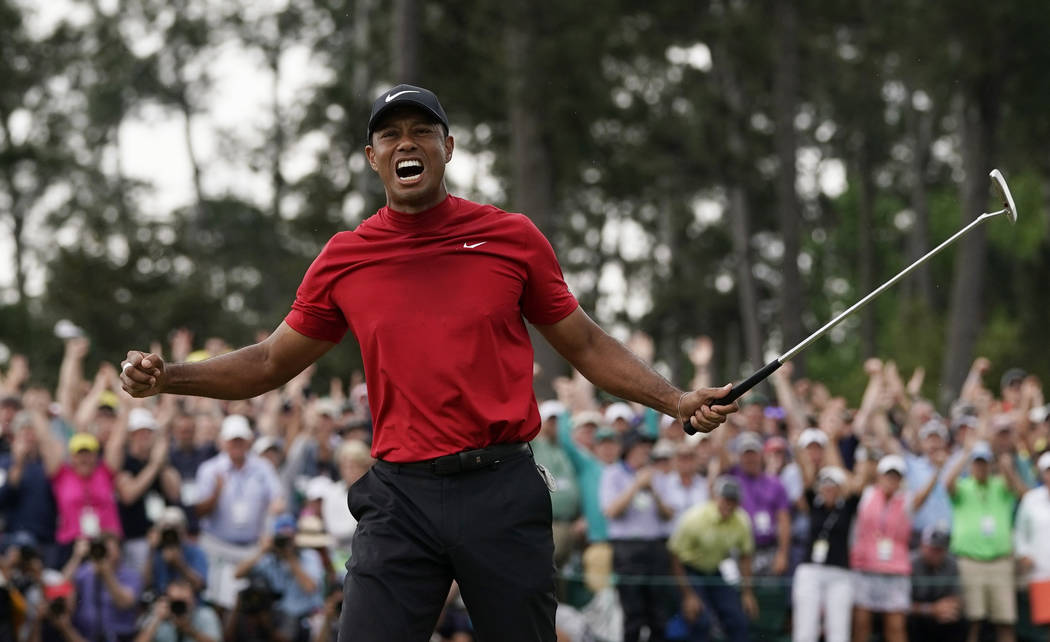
(179,607)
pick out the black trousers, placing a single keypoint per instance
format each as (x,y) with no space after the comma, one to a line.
(488,529)
(643,566)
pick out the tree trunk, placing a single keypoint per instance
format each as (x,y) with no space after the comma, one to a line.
(739,216)
(406,41)
(920,284)
(980,119)
(532,184)
(785,106)
(865,247)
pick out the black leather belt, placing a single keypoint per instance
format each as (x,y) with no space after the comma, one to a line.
(465,461)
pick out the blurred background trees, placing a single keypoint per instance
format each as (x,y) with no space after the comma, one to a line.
(737,169)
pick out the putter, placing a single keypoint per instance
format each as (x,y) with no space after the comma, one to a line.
(1003,191)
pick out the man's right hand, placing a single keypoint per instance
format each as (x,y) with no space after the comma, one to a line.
(692,607)
(142,374)
(946,609)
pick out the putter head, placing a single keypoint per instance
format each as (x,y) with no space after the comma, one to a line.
(999,183)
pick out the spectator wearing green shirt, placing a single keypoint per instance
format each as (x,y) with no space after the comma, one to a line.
(565,498)
(702,548)
(982,518)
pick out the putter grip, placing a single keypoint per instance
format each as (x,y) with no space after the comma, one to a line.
(739,389)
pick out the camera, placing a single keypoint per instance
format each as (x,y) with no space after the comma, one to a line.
(97,550)
(179,608)
(282,542)
(258,596)
(169,537)
(57,607)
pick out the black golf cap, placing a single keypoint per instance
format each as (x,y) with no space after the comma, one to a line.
(406,95)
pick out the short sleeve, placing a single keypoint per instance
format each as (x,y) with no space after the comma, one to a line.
(314,312)
(205,481)
(207,623)
(545,298)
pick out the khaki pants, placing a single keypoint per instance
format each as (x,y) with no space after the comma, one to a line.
(988,590)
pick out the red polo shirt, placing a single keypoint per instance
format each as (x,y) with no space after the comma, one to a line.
(436,300)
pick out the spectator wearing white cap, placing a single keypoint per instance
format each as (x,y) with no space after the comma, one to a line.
(565,496)
(238,491)
(823,582)
(145,484)
(765,500)
(686,487)
(880,554)
(620,417)
(983,506)
(1031,545)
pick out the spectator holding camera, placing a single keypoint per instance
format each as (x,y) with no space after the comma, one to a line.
(107,590)
(253,616)
(296,570)
(54,622)
(173,556)
(178,617)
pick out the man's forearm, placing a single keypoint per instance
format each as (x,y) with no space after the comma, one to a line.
(240,374)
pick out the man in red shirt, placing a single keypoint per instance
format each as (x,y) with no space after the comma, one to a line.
(436,289)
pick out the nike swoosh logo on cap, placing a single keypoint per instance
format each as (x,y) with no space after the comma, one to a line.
(393,96)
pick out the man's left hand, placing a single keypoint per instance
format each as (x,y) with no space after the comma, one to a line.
(701,408)
(750,604)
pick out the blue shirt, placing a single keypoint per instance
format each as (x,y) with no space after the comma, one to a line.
(239,516)
(29,506)
(641,519)
(588,478)
(294,602)
(937,509)
(96,616)
(163,573)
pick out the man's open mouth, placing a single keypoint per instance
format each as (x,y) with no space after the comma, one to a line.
(409,170)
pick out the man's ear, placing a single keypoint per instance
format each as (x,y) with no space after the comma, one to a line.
(370,154)
(450,144)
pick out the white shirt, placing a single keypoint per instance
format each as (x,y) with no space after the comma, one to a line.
(335,513)
(244,502)
(1033,523)
(680,497)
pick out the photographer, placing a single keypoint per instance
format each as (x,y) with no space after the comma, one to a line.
(298,571)
(177,617)
(54,622)
(106,589)
(172,555)
(252,617)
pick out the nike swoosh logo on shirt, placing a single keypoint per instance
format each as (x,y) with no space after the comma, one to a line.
(393,96)
(474,245)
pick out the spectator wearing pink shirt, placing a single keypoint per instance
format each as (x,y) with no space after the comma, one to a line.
(83,485)
(880,555)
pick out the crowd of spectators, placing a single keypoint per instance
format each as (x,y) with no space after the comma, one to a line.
(804,517)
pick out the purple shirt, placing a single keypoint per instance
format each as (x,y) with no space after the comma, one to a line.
(96,616)
(641,520)
(762,497)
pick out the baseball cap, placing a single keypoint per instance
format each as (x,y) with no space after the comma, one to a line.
(933,427)
(632,438)
(832,474)
(236,427)
(108,400)
(317,487)
(1011,376)
(1044,461)
(83,441)
(172,516)
(551,409)
(619,410)
(982,451)
(605,434)
(330,408)
(894,463)
(728,488)
(266,442)
(140,418)
(812,436)
(936,536)
(1002,422)
(424,99)
(585,417)
(967,420)
(284,523)
(1039,414)
(663,449)
(748,441)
